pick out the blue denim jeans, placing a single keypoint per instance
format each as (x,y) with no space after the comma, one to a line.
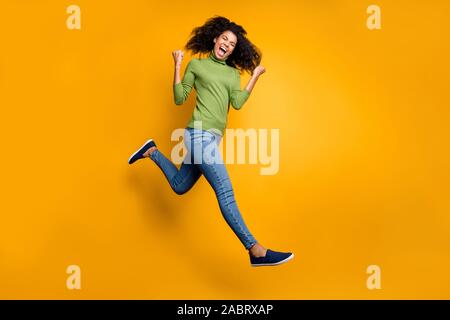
(203,157)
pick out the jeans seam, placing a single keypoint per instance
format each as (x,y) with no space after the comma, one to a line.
(227,205)
(152,155)
(182,182)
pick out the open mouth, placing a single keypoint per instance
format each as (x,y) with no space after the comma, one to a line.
(222,50)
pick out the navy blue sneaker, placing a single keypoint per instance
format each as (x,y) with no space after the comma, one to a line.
(272,258)
(139,153)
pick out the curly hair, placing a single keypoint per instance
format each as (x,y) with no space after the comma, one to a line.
(245,56)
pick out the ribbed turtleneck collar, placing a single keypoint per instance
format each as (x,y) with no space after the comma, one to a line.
(212,56)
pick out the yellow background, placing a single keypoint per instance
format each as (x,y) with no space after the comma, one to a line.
(364,153)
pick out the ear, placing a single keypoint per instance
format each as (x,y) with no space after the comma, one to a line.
(215,39)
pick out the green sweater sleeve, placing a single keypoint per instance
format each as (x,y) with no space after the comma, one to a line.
(182,89)
(238,97)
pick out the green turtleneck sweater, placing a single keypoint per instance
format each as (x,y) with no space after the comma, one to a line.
(217,85)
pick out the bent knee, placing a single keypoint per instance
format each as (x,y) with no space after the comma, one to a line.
(179,190)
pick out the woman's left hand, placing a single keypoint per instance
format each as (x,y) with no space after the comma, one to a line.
(259,70)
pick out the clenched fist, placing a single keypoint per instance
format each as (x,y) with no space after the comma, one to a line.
(178,57)
(259,70)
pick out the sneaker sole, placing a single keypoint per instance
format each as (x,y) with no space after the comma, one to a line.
(275,263)
(138,150)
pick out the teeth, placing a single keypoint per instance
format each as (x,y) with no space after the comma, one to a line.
(224,50)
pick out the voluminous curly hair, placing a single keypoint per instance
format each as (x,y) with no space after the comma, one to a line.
(245,56)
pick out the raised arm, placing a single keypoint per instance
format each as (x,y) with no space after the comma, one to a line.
(182,88)
(238,96)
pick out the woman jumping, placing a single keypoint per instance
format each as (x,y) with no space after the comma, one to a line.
(217,82)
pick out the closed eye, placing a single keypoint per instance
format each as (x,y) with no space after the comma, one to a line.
(226,38)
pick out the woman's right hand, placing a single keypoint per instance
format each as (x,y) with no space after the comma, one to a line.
(178,57)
